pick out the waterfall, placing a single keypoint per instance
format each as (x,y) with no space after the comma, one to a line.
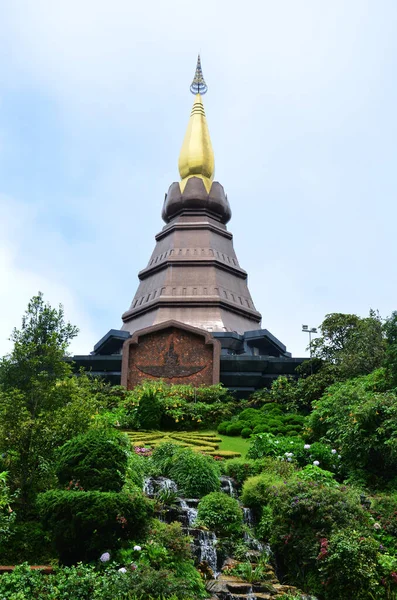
(190,512)
(148,486)
(153,485)
(227,486)
(247,516)
(249,539)
(207,542)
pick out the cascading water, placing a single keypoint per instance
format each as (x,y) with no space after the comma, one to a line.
(191,513)
(247,516)
(207,542)
(227,486)
(249,539)
(153,485)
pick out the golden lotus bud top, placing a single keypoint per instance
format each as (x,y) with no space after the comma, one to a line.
(197,156)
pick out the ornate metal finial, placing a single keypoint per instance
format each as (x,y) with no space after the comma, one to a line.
(198,84)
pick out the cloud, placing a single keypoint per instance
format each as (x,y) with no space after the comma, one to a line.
(301,109)
(19,284)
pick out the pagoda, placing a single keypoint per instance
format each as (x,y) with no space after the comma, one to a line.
(192,319)
(193,275)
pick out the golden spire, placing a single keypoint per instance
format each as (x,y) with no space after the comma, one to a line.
(197,157)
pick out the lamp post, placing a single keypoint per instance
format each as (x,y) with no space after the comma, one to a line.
(310,330)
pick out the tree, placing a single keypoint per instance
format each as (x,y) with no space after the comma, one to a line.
(40,346)
(42,404)
(390,329)
(354,345)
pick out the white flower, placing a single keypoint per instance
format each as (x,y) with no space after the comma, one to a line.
(137,548)
(316,463)
(377,526)
(291,442)
(307,446)
(339,456)
(289,459)
(105,557)
(333,451)
(123,570)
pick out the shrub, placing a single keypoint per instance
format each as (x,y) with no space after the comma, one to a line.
(246,432)
(257,491)
(222,427)
(242,468)
(349,565)
(28,542)
(162,458)
(84,524)
(304,514)
(317,475)
(84,582)
(221,514)
(194,473)
(361,423)
(155,405)
(137,469)
(234,428)
(294,449)
(97,460)
(223,453)
(7,516)
(149,409)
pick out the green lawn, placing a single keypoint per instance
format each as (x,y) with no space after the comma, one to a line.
(209,442)
(234,443)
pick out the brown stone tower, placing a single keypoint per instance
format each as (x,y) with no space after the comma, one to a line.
(193,275)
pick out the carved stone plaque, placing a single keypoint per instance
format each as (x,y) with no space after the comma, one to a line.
(171,351)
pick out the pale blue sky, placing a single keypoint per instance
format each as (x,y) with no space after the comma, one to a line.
(94,102)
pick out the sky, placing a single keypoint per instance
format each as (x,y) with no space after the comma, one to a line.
(94,103)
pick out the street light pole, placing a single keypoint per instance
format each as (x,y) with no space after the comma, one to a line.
(310,330)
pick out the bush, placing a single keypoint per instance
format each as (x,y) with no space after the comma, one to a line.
(221,514)
(349,565)
(304,513)
(234,428)
(222,427)
(195,474)
(137,469)
(162,458)
(239,468)
(271,418)
(96,460)
(28,542)
(84,582)
(82,525)
(258,491)
(149,410)
(246,432)
(242,468)
(157,405)
(317,475)
(294,450)
(361,423)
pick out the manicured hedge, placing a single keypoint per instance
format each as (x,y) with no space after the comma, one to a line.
(96,460)
(271,418)
(82,525)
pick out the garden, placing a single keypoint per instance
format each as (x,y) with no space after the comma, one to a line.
(173,492)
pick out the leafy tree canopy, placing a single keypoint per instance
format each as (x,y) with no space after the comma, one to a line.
(40,346)
(354,345)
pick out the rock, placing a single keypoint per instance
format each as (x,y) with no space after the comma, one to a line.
(239,587)
(229,563)
(265,587)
